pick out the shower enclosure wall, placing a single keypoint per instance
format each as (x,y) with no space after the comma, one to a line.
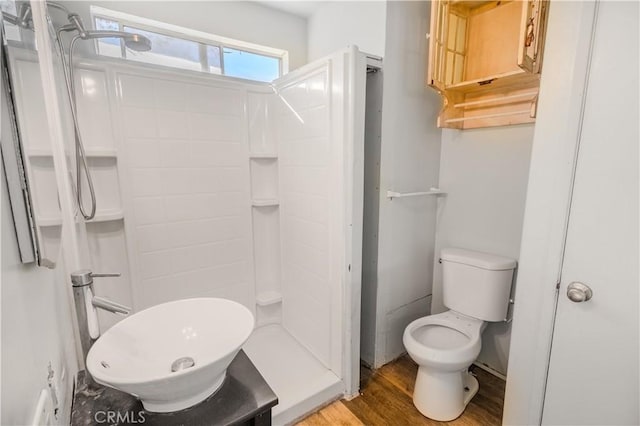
(215,187)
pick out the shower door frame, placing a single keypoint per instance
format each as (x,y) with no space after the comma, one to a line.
(349,64)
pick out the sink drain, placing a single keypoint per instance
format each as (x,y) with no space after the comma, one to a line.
(182,364)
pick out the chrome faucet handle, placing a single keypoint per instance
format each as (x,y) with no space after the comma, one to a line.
(85,277)
(108,305)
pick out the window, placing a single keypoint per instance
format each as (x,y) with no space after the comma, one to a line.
(252,66)
(183,48)
(12,31)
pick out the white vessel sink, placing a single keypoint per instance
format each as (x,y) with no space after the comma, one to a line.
(174,355)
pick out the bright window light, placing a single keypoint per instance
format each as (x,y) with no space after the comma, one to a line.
(184,48)
(252,66)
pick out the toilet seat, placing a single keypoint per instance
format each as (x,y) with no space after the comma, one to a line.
(448,341)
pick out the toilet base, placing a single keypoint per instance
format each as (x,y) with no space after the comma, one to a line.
(442,395)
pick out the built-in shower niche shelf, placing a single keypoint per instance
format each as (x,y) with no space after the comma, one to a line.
(267,298)
(107,216)
(266,202)
(101,216)
(91,152)
(263,156)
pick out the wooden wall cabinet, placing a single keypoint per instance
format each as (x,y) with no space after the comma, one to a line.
(485,59)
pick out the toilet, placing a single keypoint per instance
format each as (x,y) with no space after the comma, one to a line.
(476,288)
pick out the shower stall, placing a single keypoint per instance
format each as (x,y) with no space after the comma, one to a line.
(210,186)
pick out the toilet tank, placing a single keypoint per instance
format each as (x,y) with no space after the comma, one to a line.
(476,284)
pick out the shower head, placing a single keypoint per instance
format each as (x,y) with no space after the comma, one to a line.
(137,42)
(133,41)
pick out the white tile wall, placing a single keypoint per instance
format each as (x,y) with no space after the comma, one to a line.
(304,159)
(140,122)
(261,122)
(264,179)
(104,174)
(148,210)
(35,136)
(107,246)
(107,242)
(27,74)
(214,127)
(187,161)
(44,188)
(220,281)
(266,237)
(93,109)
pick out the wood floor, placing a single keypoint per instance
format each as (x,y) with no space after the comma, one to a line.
(386,399)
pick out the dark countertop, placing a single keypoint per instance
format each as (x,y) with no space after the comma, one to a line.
(243,395)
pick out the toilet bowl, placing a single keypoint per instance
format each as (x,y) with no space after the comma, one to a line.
(444,346)
(476,288)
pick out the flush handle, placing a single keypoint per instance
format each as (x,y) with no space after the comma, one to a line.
(578,292)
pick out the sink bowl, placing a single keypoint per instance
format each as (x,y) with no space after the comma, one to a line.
(172,356)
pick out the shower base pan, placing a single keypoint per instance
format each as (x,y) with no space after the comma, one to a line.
(299,380)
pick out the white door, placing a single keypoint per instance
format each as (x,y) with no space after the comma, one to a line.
(320,131)
(593,372)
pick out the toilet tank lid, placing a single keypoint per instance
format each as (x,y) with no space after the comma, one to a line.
(478,259)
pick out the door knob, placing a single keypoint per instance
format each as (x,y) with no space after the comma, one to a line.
(578,292)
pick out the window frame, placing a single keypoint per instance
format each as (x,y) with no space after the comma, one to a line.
(203,38)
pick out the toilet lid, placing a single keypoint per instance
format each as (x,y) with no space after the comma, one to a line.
(438,336)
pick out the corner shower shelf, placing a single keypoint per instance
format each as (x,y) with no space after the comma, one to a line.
(267,298)
(103,216)
(94,153)
(263,156)
(107,216)
(265,202)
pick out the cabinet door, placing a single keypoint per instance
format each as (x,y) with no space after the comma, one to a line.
(532,30)
(437,43)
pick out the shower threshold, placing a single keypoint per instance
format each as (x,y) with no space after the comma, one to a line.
(301,382)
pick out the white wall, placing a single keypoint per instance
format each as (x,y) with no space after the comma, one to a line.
(485,173)
(36,330)
(338,24)
(183,144)
(241,20)
(410,155)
